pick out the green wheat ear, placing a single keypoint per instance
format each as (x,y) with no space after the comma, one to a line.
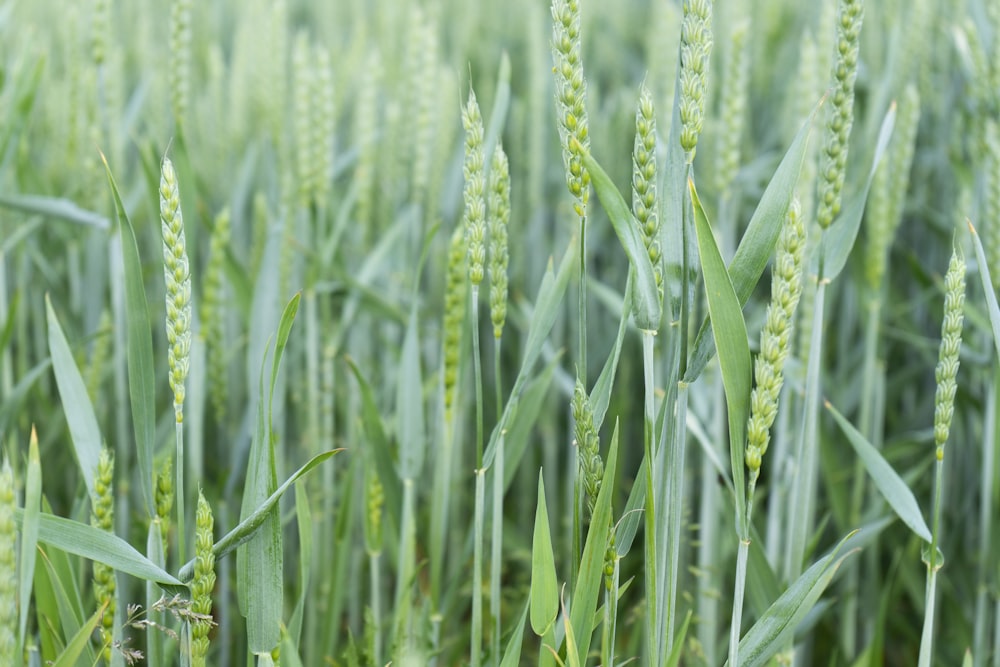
(203,582)
(454,320)
(571,96)
(499,217)
(588,445)
(775,338)
(644,201)
(475,188)
(8,567)
(951,344)
(838,129)
(102,517)
(177,273)
(164,497)
(696,51)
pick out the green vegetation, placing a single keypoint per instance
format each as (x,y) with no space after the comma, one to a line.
(252,255)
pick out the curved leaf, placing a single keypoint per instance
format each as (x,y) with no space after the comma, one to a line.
(838,241)
(991,297)
(54,207)
(890,485)
(776,627)
(646,298)
(98,545)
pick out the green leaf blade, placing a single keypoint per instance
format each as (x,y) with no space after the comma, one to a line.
(887,481)
(730,333)
(544,594)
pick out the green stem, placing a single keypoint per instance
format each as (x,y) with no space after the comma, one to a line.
(407,565)
(179,491)
(582,358)
(927,635)
(477,570)
(674,519)
(803,487)
(497,543)
(477,365)
(376,602)
(741,576)
(651,551)
(991,436)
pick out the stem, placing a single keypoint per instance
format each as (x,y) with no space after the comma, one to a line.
(709,545)
(741,575)
(927,636)
(477,570)
(497,542)
(803,487)
(179,491)
(582,358)
(610,619)
(479,376)
(867,426)
(373,567)
(407,564)
(674,519)
(652,555)
(990,439)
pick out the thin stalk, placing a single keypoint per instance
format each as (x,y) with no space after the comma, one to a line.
(996,634)
(582,356)
(477,570)
(867,426)
(179,491)
(927,635)
(407,564)
(991,436)
(803,487)
(610,618)
(652,553)
(673,519)
(738,595)
(497,543)
(708,533)
(477,365)
(376,604)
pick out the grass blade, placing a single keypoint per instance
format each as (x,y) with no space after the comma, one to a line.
(646,298)
(248,526)
(730,333)
(838,241)
(83,429)
(890,485)
(97,545)
(991,297)
(379,443)
(758,241)
(54,207)
(142,389)
(544,596)
(80,641)
(512,654)
(774,630)
(29,534)
(410,404)
(591,573)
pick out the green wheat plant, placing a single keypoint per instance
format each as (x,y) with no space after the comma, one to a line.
(237,238)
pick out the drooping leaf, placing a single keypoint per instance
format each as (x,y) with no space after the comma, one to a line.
(646,297)
(249,525)
(54,207)
(775,628)
(97,545)
(887,481)
(838,240)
